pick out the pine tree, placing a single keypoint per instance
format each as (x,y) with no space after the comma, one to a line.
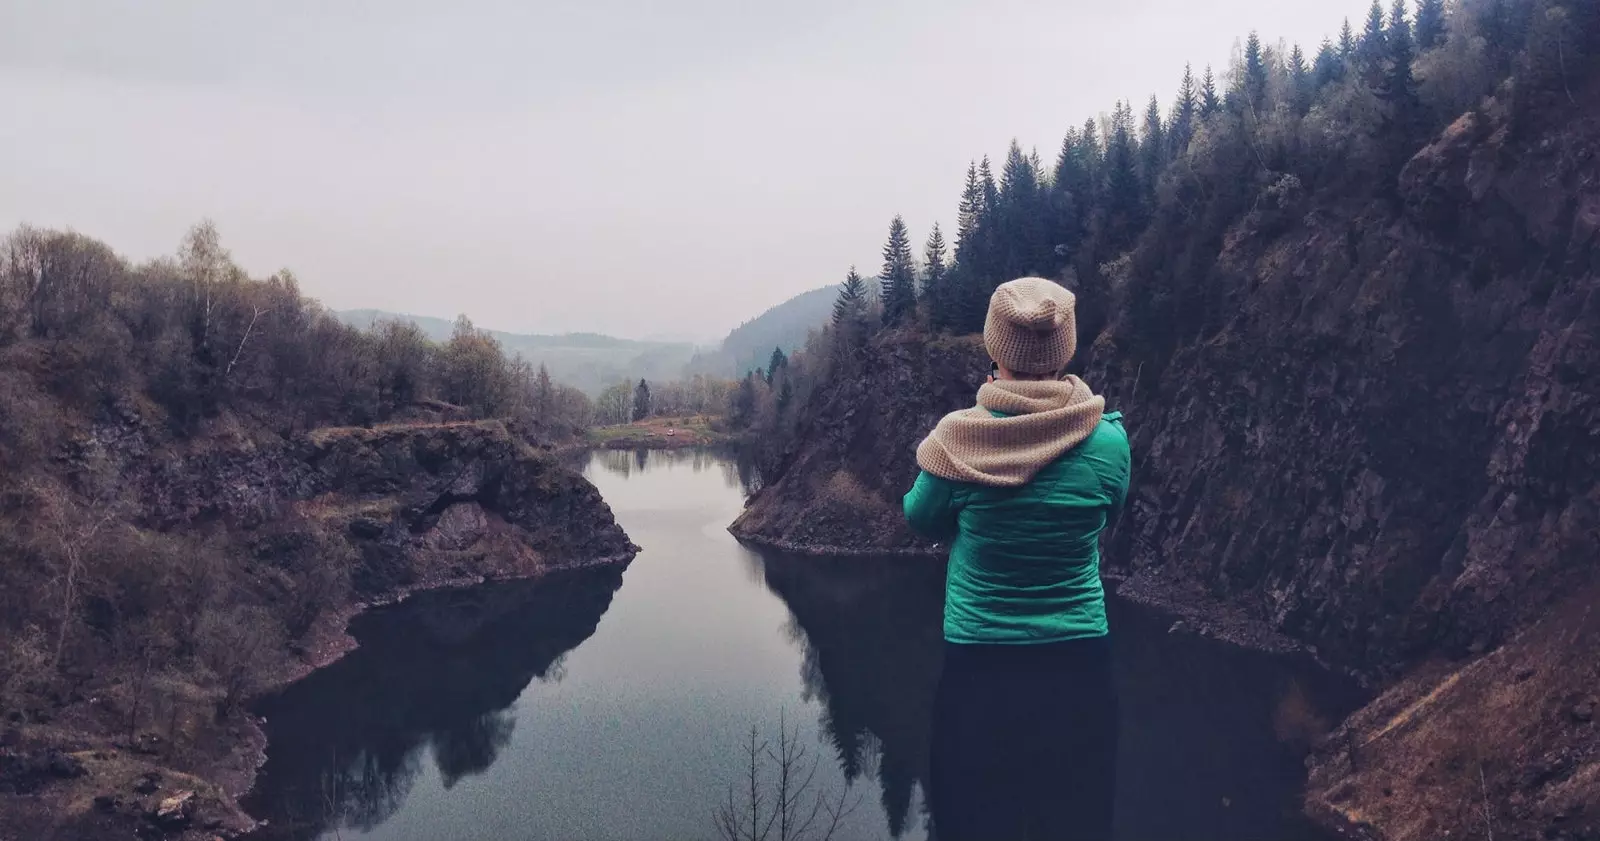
(1018,177)
(1255,74)
(1299,80)
(1347,42)
(1209,102)
(898,278)
(991,193)
(1184,113)
(1373,47)
(1152,149)
(935,279)
(1328,68)
(852,302)
(1093,155)
(777,362)
(1020,231)
(1066,161)
(1430,24)
(1124,204)
(969,217)
(1399,85)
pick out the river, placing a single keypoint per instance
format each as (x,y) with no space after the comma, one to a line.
(610,704)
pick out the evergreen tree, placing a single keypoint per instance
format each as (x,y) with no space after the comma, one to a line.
(1152,149)
(1399,85)
(1255,75)
(1299,80)
(641,401)
(991,193)
(1020,232)
(852,301)
(935,279)
(1209,102)
(1066,160)
(1092,154)
(1373,47)
(969,217)
(1328,68)
(1184,113)
(898,278)
(1430,24)
(1018,177)
(1124,204)
(1347,42)
(775,364)
(1399,88)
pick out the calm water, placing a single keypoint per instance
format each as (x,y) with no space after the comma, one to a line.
(612,705)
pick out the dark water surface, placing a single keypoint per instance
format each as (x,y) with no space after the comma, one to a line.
(611,705)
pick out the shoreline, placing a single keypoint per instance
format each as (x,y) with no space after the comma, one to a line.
(334,642)
(1191,612)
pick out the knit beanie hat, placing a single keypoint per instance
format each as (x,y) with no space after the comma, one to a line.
(1032,326)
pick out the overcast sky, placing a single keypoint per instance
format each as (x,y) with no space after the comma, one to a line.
(629,167)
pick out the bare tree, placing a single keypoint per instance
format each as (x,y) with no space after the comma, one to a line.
(779,798)
(73,529)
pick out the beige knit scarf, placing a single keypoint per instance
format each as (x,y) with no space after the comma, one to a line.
(1045,418)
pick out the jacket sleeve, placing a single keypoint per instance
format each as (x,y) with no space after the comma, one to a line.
(1120,468)
(930,507)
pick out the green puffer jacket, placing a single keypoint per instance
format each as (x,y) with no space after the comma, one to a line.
(1025,562)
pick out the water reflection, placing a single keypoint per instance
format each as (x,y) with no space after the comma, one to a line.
(432,681)
(869,636)
(421,734)
(739,475)
(1212,736)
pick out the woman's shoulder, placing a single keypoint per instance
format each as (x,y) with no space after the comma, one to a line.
(1109,439)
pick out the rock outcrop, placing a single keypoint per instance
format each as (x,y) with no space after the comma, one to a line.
(838,491)
(313,527)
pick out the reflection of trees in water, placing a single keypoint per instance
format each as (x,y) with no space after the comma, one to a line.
(737,472)
(870,642)
(470,747)
(433,676)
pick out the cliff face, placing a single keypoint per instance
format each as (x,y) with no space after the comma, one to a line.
(1385,443)
(282,539)
(1376,428)
(839,488)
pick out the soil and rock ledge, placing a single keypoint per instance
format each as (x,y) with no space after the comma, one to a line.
(403,508)
(1373,433)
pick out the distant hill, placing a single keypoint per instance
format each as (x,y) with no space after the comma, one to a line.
(786,325)
(588,361)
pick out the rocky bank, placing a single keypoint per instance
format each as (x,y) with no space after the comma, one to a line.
(390,510)
(1375,430)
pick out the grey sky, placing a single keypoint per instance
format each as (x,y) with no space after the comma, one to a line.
(637,168)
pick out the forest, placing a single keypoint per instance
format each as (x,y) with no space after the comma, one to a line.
(1253,139)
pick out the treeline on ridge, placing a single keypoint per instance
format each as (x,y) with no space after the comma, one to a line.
(1132,211)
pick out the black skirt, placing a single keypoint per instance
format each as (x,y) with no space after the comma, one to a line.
(1025,742)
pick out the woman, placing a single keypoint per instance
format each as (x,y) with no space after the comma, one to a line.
(1025,722)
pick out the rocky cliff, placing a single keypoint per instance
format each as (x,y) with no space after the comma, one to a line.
(838,489)
(1375,428)
(306,530)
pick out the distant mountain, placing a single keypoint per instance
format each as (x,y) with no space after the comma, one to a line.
(588,361)
(786,326)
